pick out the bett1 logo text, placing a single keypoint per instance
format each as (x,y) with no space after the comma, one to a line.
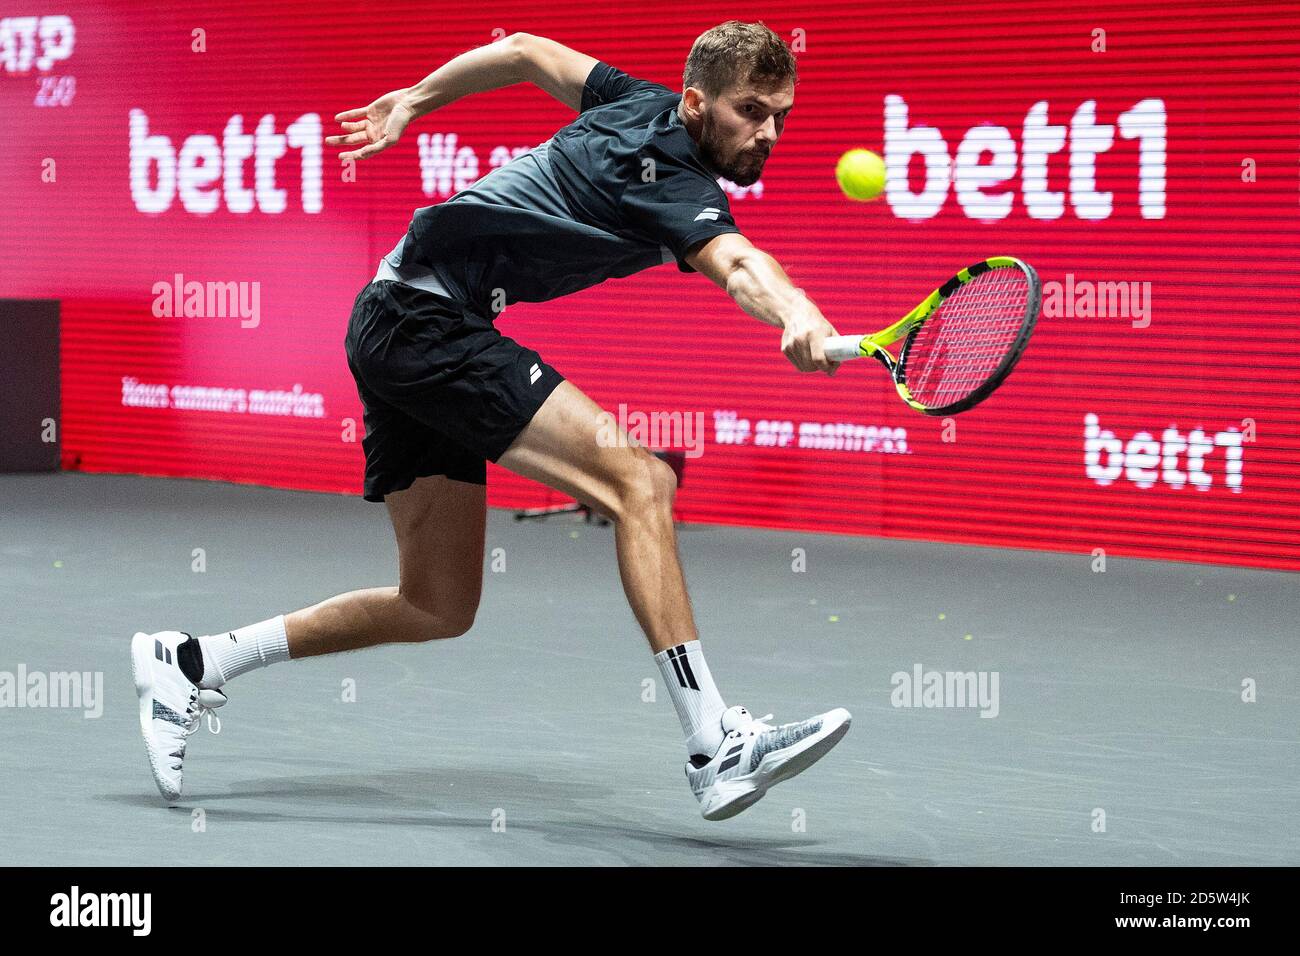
(206,170)
(1085,142)
(1175,459)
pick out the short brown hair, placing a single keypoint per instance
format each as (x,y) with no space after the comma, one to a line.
(734,54)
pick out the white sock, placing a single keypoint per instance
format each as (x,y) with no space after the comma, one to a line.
(698,703)
(242,650)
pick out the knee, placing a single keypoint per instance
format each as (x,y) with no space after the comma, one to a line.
(435,621)
(649,485)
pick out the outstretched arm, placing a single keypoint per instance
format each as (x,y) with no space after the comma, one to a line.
(758,284)
(521,56)
(555,68)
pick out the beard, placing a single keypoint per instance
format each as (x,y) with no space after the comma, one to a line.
(743,168)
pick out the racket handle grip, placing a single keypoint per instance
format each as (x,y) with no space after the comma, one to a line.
(841,348)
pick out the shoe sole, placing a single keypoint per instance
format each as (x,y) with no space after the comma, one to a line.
(774,768)
(141,667)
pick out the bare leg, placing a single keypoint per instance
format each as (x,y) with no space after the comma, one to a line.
(439,525)
(630,486)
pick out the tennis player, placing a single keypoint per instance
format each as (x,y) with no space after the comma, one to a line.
(630,184)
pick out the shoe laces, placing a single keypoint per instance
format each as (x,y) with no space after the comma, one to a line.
(214,722)
(195,711)
(755,725)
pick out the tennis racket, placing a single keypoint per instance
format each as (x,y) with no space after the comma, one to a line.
(962,341)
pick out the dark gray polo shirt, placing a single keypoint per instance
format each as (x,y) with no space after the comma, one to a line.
(620,189)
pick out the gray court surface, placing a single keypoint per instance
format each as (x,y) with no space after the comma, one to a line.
(533,740)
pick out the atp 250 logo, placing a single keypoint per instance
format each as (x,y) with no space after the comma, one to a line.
(43,43)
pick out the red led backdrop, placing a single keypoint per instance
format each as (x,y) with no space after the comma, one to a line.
(1144,160)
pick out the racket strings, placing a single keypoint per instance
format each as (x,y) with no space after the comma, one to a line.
(963,343)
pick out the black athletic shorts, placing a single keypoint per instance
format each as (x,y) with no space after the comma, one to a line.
(444,392)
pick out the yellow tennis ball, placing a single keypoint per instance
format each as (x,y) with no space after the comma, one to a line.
(861,174)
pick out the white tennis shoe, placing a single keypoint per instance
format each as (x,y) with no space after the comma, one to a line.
(755,755)
(170,706)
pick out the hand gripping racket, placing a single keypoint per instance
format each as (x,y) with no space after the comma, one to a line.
(961,341)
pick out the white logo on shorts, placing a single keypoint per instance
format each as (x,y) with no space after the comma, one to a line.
(534,374)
